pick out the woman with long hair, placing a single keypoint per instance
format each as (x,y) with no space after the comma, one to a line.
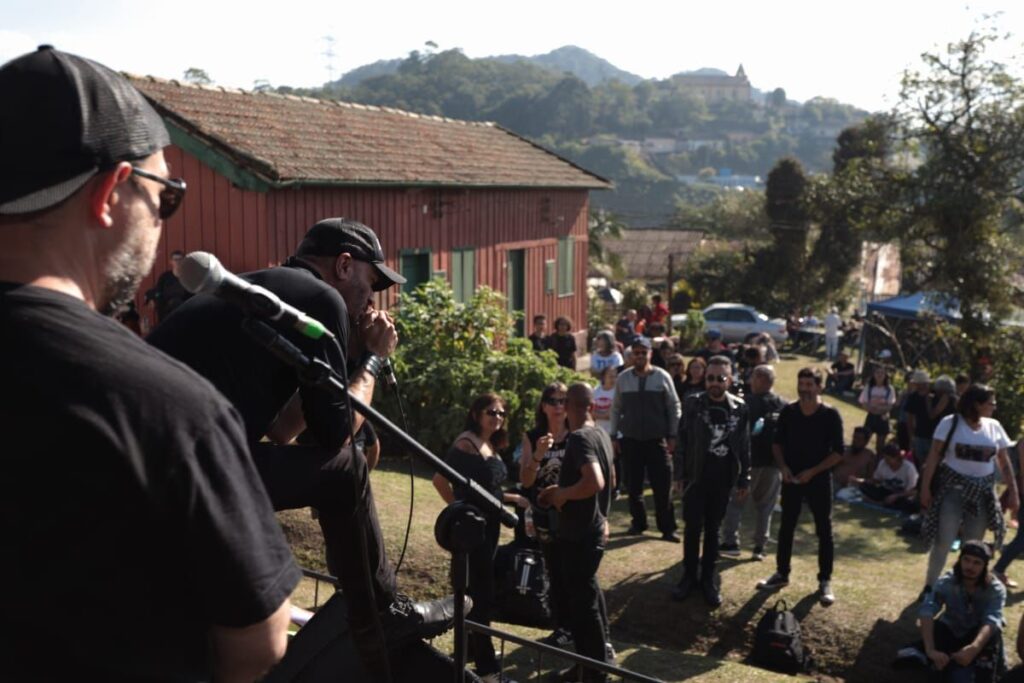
(474,455)
(539,467)
(878,398)
(958,482)
(694,380)
(605,354)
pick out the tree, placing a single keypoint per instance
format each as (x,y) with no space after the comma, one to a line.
(777,98)
(786,260)
(197,76)
(960,121)
(604,224)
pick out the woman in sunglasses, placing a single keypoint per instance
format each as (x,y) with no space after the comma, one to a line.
(474,454)
(539,466)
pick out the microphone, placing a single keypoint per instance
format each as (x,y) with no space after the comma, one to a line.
(202,273)
(388,372)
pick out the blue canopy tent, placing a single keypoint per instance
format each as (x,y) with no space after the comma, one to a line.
(901,311)
(916,305)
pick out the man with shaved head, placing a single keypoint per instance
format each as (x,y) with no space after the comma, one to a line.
(583,498)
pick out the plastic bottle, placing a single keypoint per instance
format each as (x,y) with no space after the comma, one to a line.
(531,530)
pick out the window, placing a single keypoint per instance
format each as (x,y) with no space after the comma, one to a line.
(414,265)
(738,315)
(566,265)
(715,314)
(463,273)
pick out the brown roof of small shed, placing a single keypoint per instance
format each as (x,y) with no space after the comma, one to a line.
(288,139)
(645,252)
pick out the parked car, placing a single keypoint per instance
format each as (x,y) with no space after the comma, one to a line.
(736,321)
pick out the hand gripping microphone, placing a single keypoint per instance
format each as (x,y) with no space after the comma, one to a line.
(202,273)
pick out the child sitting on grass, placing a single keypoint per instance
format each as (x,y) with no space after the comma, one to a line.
(894,483)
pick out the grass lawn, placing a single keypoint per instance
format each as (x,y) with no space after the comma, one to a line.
(877,579)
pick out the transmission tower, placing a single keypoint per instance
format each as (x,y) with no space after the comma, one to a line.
(329,54)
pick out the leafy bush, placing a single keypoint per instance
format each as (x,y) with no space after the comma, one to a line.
(634,295)
(691,334)
(449,353)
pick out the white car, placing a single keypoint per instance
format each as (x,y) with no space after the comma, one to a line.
(736,321)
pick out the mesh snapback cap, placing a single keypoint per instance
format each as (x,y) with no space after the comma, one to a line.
(333,236)
(63,119)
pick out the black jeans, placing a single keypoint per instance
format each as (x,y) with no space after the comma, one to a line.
(556,596)
(652,458)
(818,494)
(481,588)
(984,666)
(578,562)
(337,484)
(703,511)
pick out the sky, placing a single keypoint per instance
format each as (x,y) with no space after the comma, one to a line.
(853,52)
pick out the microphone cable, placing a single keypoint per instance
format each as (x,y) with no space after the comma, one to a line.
(393,383)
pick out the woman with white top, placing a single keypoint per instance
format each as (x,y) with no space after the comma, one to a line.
(966,447)
(878,398)
(605,354)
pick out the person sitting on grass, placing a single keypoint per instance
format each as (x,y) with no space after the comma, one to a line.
(894,483)
(841,375)
(962,621)
(858,460)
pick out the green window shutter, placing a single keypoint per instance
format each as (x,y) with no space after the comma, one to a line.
(566,267)
(463,274)
(549,277)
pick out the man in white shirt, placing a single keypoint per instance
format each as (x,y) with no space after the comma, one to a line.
(832,325)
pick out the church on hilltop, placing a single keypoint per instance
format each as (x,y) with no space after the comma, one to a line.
(716,87)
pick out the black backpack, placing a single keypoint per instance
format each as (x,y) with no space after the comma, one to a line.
(521,587)
(777,642)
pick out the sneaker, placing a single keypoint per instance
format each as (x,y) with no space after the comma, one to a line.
(759,555)
(670,536)
(910,657)
(683,590)
(712,595)
(634,530)
(774,581)
(728,550)
(609,653)
(955,547)
(825,593)
(560,638)
(496,678)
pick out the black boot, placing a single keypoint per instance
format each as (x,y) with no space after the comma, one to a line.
(684,588)
(405,620)
(712,595)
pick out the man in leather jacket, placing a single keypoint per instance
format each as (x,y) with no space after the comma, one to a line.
(713,456)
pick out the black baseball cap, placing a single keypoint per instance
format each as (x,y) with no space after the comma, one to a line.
(63,119)
(333,236)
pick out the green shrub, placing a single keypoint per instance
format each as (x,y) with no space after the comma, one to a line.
(449,353)
(691,334)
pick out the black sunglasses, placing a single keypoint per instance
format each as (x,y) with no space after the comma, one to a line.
(555,401)
(494,412)
(721,379)
(170,196)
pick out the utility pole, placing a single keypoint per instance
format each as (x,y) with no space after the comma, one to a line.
(329,54)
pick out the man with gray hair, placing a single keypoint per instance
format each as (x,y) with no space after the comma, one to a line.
(765,479)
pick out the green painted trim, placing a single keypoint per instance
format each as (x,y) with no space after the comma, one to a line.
(238,176)
(419,251)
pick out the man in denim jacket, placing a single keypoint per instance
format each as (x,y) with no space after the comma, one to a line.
(965,640)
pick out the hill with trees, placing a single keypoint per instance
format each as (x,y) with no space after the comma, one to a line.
(654,138)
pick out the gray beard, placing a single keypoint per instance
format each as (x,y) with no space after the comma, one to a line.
(125,268)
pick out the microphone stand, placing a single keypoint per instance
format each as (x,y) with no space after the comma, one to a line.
(459,528)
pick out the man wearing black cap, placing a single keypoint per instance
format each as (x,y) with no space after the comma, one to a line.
(645,411)
(964,641)
(138,541)
(332,277)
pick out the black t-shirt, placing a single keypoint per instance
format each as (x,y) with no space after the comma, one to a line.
(807,440)
(764,415)
(838,367)
(917,405)
(583,520)
(539,342)
(168,294)
(205,332)
(564,345)
(489,472)
(132,515)
(544,519)
(719,462)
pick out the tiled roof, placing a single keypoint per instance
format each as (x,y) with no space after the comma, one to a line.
(290,139)
(645,252)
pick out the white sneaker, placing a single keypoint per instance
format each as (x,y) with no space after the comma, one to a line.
(825,593)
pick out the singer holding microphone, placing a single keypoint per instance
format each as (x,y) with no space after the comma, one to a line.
(331,278)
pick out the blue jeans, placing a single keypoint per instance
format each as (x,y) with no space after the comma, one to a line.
(1011,550)
(950,518)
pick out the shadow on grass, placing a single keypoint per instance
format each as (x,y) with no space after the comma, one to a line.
(874,659)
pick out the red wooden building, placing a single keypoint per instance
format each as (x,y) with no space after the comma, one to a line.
(470,202)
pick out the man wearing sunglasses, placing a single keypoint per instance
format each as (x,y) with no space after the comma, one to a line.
(713,456)
(645,411)
(138,541)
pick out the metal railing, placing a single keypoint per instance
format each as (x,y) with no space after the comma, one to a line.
(540,649)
